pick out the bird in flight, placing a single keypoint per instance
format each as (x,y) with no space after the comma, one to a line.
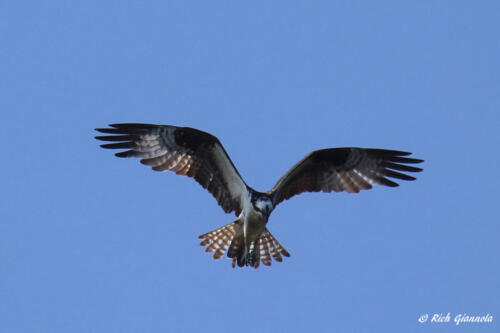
(200,155)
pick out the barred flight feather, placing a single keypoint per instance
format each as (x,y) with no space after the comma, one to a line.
(219,240)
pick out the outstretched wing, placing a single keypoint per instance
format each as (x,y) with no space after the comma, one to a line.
(344,169)
(185,151)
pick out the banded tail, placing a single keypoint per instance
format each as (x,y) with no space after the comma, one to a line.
(230,238)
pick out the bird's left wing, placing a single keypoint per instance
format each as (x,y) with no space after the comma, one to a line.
(348,169)
(185,151)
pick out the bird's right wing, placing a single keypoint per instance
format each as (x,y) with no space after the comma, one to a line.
(185,151)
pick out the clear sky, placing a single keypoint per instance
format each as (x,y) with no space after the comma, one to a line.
(93,243)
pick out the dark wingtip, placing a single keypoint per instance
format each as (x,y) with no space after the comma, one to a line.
(387,182)
(409,160)
(400,152)
(126,153)
(413,160)
(110,130)
(398,175)
(132,125)
(387,152)
(126,128)
(413,169)
(119,145)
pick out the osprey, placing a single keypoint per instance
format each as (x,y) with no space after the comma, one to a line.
(200,155)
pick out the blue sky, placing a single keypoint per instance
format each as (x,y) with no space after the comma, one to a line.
(93,243)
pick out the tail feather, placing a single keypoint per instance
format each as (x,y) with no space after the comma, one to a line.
(218,240)
(269,246)
(230,238)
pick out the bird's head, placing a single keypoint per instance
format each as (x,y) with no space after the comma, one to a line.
(263,204)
